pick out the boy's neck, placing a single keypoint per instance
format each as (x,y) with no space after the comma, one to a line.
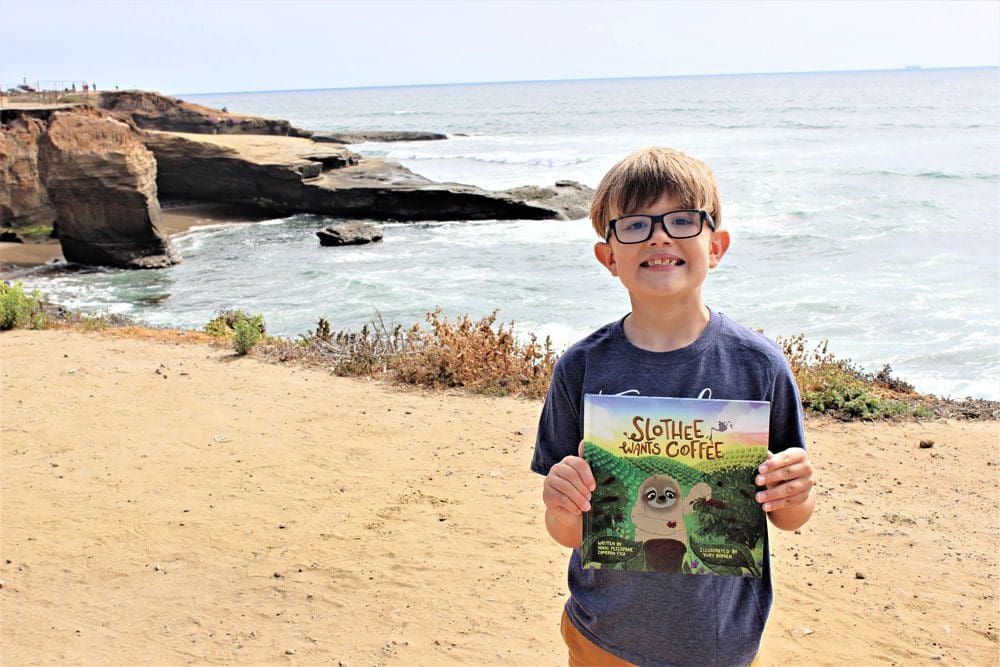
(664,327)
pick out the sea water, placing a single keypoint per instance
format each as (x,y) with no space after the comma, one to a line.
(864,209)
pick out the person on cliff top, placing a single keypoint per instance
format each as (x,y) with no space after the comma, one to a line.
(658,216)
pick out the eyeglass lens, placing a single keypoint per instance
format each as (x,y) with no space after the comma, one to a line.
(638,228)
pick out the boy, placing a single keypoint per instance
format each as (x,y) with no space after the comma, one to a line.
(659,217)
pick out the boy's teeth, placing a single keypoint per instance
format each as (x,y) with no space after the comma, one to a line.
(661,262)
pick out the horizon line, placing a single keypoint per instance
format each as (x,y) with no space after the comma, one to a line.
(906,68)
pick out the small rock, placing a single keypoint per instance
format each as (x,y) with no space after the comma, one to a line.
(926,444)
(804,631)
(289,651)
(859,575)
(277,575)
(157,567)
(349,233)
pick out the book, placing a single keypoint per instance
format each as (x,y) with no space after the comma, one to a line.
(675,484)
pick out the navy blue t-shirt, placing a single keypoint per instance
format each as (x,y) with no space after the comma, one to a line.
(651,618)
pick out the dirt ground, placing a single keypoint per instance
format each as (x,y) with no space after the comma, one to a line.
(166,502)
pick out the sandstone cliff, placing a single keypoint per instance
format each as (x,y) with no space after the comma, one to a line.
(90,174)
(24,200)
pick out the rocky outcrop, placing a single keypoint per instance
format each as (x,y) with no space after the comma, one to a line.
(24,201)
(349,233)
(101,180)
(361,137)
(287,175)
(154,111)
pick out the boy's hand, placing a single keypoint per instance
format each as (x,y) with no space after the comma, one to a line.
(788,478)
(567,488)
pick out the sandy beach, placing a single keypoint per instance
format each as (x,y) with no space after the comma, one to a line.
(166,502)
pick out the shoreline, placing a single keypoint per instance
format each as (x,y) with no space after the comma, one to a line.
(175,218)
(179,503)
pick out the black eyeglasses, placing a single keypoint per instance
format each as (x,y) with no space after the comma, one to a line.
(683,224)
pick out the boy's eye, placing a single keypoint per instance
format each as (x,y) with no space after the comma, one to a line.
(683,220)
(634,224)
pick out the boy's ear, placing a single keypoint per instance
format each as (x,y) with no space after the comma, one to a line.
(717,247)
(606,256)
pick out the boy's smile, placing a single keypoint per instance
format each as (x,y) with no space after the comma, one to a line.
(662,262)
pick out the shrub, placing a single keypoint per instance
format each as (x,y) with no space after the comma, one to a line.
(248,333)
(19,309)
(224,324)
(831,385)
(476,355)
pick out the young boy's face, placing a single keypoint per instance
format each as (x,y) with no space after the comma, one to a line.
(663,267)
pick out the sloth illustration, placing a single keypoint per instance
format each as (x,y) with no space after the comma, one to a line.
(660,508)
(658,515)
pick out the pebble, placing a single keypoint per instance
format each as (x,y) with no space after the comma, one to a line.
(926,444)
(289,651)
(859,575)
(802,632)
(277,575)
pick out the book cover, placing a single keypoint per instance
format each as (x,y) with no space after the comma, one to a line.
(675,484)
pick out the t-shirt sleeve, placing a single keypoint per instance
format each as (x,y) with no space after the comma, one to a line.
(559,430)
(786,428)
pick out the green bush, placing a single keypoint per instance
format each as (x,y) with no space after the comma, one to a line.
(19,309)
(248,334)
(224,324)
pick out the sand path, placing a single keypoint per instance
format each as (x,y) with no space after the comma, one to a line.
(171,503)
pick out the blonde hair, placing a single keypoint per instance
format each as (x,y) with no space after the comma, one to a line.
(647,174)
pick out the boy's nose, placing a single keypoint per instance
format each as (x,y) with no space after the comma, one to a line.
(659,234)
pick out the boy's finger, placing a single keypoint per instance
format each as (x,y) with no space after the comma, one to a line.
(784,474)
(785,490)
(789,501)
(561,492)
(790,456)
(582,469)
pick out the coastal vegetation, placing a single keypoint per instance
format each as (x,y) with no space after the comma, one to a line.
(487,356)
(19,309)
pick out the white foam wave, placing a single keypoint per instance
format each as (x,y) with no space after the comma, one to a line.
(497,157)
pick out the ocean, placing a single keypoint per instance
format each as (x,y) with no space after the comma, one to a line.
(864,209)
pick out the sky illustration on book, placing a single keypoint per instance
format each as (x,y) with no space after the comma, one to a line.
(675,489)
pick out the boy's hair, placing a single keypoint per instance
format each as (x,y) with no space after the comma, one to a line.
(647,174)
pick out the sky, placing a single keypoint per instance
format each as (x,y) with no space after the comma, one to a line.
(179,46)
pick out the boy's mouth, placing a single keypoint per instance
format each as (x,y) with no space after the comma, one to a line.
(673,261)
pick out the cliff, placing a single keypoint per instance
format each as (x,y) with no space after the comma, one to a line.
(90,174)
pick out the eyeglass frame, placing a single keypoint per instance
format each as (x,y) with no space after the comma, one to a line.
(662,219)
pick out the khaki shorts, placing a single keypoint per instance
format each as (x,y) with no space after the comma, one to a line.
(584,653)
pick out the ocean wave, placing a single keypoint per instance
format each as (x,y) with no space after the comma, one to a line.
(942,175)
(501,157)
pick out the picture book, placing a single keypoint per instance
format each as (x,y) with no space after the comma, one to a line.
(675,484)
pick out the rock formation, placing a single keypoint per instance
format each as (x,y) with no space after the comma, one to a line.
(349,233)
(96,175)
(101,181)
(360,137)
(24,201)
(159,112)
(291,175)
